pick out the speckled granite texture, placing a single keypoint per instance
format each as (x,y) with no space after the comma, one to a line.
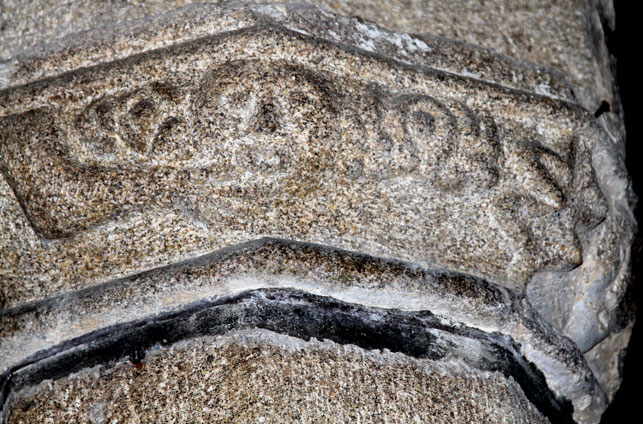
(564,36)
(259,376)
(158,135)
(458,300)
(323,146)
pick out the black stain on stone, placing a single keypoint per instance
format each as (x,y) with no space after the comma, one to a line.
(137,355)
(297,314)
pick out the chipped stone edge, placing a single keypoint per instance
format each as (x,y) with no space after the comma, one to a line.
(256,337)
(302,315)
(563,365)
(291,25)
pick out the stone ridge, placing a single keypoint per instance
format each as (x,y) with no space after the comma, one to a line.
(90,47)
(303,316)
(147,142)
(262,376)
(455,299)
(425,154)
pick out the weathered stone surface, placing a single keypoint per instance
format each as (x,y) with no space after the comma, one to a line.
(288,136)
(565,36)
(259,376)
(147,142)
(457,300)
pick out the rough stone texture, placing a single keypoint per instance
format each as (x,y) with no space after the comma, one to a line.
(261,142)
(260,376)
(565,36)
(146,142)
(428,155)
(606,358)
(454,298)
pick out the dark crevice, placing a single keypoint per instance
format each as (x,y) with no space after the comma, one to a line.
(622,45)
(298,314)
(602,108)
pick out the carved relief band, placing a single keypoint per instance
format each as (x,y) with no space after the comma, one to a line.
(231,195)
(255,143)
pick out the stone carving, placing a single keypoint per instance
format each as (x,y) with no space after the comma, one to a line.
(306,291)
(293,149)
(346,182)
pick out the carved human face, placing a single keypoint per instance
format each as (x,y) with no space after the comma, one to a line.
(292,149)
(265,119)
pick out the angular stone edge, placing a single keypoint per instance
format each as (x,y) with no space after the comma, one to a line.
(456,299)
(539,107)
(304,316)
(120,40)
(199,352)
(611,154)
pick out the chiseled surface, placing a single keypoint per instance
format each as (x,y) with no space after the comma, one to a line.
(557,35)
(35,268)
(259,376)
(202,128)
(301,139)
(456,299)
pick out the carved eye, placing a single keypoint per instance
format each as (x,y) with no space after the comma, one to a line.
(168,136)
(421,122)
(142,110)
(96,126)
(137,123)
(225,106)
(430,125)
(103,113)
(308,103)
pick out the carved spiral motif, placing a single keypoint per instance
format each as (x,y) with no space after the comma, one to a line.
(255,136)
(146,120)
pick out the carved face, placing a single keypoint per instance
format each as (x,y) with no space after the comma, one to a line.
(271,142)
(277,116)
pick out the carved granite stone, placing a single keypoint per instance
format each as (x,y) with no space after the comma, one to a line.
(316,155)
(258,145)
(274,369)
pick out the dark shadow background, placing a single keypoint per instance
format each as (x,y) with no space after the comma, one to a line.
(625,44)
